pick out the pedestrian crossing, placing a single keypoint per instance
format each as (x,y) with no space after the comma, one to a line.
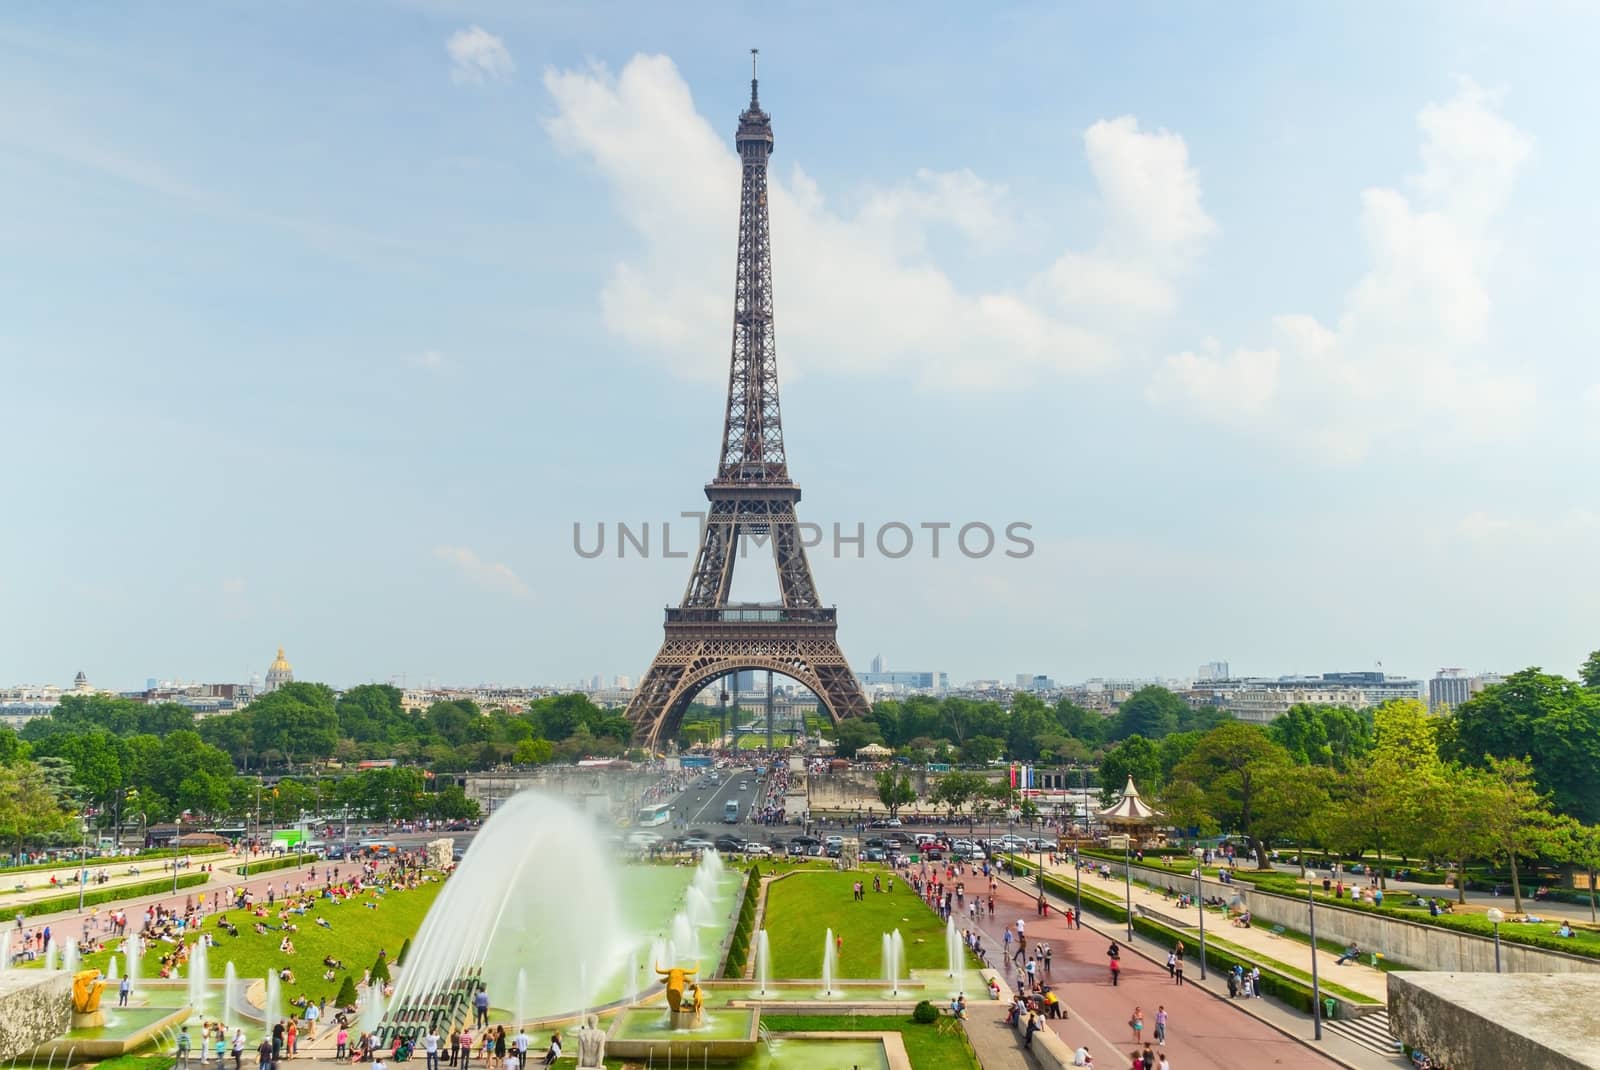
(1371,1031)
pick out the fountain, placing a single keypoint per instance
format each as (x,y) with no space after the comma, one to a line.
(230,981)
(698,906)
(111,969)
(829,960)
(69,957)
(685,940)
(133,949)
(199,976)
(763,961)
(5,959)
(372,1009)
(952,948)
(630,986)
(499,912)
(50,953)
(521,1007)
(894,953)
(272,1007)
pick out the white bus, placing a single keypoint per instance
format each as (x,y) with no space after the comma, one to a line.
(653,815)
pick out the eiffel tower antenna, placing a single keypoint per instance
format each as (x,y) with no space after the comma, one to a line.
(752,504)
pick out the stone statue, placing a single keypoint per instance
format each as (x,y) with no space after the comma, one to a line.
(591,1045)
(86,988)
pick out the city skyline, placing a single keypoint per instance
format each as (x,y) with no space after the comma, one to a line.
(1283,370)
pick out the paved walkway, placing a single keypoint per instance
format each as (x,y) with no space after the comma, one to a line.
(1257,939)
(1207,1031)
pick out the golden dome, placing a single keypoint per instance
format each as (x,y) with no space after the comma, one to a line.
(281,664)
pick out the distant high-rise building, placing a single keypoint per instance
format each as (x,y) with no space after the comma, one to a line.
(1041,683)
(1449,688)
(279,673)
(1212,670)
(877,663)
(624,682)
(1024,681)
(594,682)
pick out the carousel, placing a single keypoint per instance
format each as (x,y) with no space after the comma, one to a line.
(1129,821)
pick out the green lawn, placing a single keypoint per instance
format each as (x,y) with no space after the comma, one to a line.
(924,1045)
(802,906)
(356,936)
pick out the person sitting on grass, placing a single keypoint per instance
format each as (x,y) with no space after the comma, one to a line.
(1565,930)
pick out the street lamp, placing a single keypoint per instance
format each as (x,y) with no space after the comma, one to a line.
(1316,988)
(83,866)
(176,837)
(1200,902)
(1127,873)
(1496,916)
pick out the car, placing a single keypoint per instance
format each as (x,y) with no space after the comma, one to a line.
(874,854)
(728,844)
(643,838)
(744,785)
(933,854)
(893,822)
(835,841)
(805,841)
(695,843)
(751,847)
(833,850)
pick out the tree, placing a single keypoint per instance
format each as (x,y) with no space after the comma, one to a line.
(297,720)
(956,790)
(379,974)
(405,949)
(855,733)
(1134,757)
(347,996)
(532,752)
(1386,800)
(1516,820)
(1236,776)
(895,790)
(1579,844)
(1323,735)
(30,811)
(450,803)
(1151,712)
(981,750)
(1589,672)
(1550,719)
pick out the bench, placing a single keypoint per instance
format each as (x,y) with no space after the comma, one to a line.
(1276,930)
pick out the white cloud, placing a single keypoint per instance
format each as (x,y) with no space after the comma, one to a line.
(859,291)
(478,56)
(233,587)
(494,576)
(429,360)
(1409,351)
(1592,396)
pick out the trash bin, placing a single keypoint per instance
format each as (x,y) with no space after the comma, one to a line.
(1328,1008)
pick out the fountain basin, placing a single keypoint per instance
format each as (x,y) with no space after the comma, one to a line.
(34,1004)
(125,1029)
(646,1033)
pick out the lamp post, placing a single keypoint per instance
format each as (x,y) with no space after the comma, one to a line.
(176,837)
(1200,902)
(1316,988)
(1496,916)
(83,866)
(1077,870)
(1127,873)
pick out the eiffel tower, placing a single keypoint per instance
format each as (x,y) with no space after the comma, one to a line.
(752,501)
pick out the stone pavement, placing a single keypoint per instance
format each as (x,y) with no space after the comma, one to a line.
(1257,939)
(1207,1030)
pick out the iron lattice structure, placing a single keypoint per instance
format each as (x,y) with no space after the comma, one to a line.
(752,502)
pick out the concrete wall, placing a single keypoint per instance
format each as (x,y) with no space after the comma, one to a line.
(35,1006)
(1497,1020)
(1425,947)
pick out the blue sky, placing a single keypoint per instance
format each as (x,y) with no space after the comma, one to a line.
(322,325)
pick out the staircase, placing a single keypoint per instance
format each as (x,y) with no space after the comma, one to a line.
(1371,1031)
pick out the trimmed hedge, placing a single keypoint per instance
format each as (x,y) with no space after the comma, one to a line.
(254,869)
(41,907)
(101,861)
(739,948)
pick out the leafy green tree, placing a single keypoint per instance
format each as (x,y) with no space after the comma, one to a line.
(30,810)
(1551,720)
(1385,801)
(855,733)
(297,720)
(955,790)
(981,750)
(347,996)
(1151,712)
(1517,821)
(11,745)
(532,752)
(380,970)
(450,803)
(1080,723)
(1332,736)
(405,949)
(1579,844)
(1134,757)
(1589,672)
(1236,776)
(894,790)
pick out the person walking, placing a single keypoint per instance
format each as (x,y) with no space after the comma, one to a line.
(124,990)
(466,1048)
(480,1009)
(455,1045)
(1116,972)
(238,1049)
(264,1053)
(183,1049)
(1161,1024)
(1136,1023)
